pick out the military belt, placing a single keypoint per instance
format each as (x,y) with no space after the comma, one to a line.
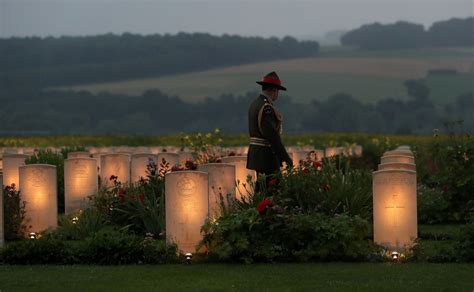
(259,142)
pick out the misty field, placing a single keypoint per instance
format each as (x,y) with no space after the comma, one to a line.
(366,78)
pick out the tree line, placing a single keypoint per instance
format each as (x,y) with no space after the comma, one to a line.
(41,62)
(454,32)
(31,112)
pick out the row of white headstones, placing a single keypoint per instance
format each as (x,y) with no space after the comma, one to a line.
(194,196)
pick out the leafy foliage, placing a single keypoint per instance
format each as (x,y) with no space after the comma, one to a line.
(14,213)
(248,237)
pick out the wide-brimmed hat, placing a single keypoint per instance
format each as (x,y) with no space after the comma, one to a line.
(272,79)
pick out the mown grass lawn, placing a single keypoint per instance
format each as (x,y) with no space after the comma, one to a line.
(268,277)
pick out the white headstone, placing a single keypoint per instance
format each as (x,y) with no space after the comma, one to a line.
(393,165)
(139,165)
(242,174)
(221,185)
(38,186)
(186,197)
(80,181)
(78,154)
(11,166)
(395,213)
(357,150)
(333,151)
(115,164)
(397,159)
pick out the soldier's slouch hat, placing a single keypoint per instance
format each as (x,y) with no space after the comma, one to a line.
(271,79)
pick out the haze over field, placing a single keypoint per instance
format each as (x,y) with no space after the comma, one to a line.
(309,19)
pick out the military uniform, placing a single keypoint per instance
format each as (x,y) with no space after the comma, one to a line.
(266,152)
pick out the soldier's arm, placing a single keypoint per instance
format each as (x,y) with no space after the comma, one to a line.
(269,132)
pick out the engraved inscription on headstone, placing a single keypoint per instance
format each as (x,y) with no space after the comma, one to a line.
(186,194)
(38,185)
(395,213)
(80,181)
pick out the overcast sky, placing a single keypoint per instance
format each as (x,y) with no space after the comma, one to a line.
(257,17)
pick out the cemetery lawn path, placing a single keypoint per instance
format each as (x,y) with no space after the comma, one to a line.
(266,277)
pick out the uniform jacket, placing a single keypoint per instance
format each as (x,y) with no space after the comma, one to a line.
(265,122)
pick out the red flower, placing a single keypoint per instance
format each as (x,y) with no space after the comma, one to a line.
(305,170)
(141,197)
(273,182)
(318,165)
(264,205)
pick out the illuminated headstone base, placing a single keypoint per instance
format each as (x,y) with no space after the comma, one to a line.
(11,166)
(39,190)
(186,196)
(80,181)
(395,213)
(115,164)
(139,165)
(221,185)
(242,174)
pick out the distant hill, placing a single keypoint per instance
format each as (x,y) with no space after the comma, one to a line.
(40,62)
(366,78)
(402,34)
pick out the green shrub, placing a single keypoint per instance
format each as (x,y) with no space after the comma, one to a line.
(158,252)
(250,237)
(81,225)
(111,247)
(448,165)
(139,207)
(14,213)
(332,187)
(107,247)
(45,250)
(432,206)
(465,243)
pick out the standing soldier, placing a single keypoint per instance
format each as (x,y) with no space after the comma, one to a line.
(266,151)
